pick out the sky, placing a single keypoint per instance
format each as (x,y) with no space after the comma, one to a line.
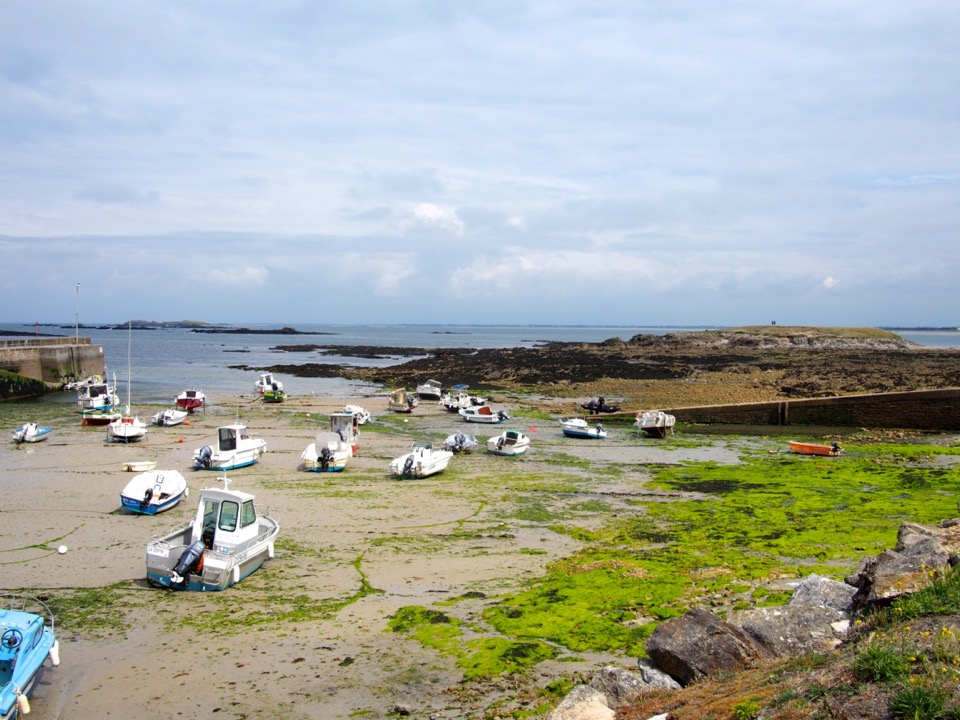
(603,162)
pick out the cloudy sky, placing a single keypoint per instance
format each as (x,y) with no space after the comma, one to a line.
(604,162)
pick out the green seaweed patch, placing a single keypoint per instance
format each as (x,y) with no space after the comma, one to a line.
(96,611)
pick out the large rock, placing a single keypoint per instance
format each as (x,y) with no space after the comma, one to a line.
(921,550)
(700,644)
(824,592)
(794,630)
(621,686)
(582,703)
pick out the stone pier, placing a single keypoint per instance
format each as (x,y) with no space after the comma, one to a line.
(52,361)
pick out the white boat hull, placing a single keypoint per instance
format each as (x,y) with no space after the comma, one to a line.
(578,428)
(153,492)
(30,433)
(483,414)
(421,462)
(169,418)
(126,429)
(509,443)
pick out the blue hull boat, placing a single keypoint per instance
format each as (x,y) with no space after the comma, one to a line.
(26,642)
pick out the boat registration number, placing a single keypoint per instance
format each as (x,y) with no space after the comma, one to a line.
(158,551)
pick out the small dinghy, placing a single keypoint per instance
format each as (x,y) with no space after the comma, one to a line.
(154,491)
(803,448)
(421,461)
(579,428)
(27,640)
(509,443)
(29,433)
(139,465)
(460,443)
(226,541)
(327,453)
(169,417)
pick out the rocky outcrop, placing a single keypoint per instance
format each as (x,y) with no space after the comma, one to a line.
(792,630)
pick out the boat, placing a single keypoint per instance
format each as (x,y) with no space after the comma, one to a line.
(169,417)
(153,491)
(127,428)
(30,432)
(77,385)
(27,641)
(599,406)
(430,390)
(483,414)
(225,542)
(274,394)
(831,450)
(267,382)
(346,426)
(363,417)
(460,443)
(402,402)
(99,417)
(509,442)
(235,449)
(190,400)
(139,465)
(421,461)
(98,396)
(655,423)
(579,428)
(456,401)
(327,453)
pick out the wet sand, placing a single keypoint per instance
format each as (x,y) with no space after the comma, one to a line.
(414,541)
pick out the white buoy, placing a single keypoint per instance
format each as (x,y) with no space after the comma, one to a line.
(23,705)
(405,420)
(55,653)
(62,549)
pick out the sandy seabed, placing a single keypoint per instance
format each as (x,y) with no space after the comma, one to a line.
(414,542)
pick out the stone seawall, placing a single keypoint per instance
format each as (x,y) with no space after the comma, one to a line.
(913,410)
(51,360)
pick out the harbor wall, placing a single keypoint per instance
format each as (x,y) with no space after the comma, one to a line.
(52,361)
(910,410)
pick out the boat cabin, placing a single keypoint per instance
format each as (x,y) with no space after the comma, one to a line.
(228,435)
(225,520)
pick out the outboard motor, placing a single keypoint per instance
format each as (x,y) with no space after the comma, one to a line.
(408,465)
(147,497)
(502,415)
(205,455)
(187,563)
(500,442)
(599,428)
(325,459)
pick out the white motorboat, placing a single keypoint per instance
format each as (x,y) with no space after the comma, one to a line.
(190,400)
(460,443)
(127,428)
(154,491)
(655,423)
(30,432)
(235,449)
(225,542)
(169,417)
(327,453)
(401,401)
(483,414)
(421,461)
(509,442)
(454,402)
(363,417)
(98,397)
(430,390)
(346,426)
(579,428)
(267,382)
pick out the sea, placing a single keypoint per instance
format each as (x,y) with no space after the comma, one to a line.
(164,362)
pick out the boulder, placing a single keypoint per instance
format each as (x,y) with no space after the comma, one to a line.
(700,644)
(794,630)
(582,703)
(824,592)
(621,686)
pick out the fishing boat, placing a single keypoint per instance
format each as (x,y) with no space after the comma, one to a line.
(274,394)
(363,417)
(169,417)
(483,414)
(655,423)
(27,640)
(346,425)
(421,461)
(225,542)
(153,492)
(509,443)
(267,382)
(235,449)
(831,450)
(30,432)
(190,400)
(579,428)
(402,402)
(456,401)
(327,453)
(430,390)
(98,396)
(460,443)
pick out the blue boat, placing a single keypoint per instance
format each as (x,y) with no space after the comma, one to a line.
(26,641)
(29,432)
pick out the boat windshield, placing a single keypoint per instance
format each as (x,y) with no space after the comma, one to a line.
(228,515)
(228,439)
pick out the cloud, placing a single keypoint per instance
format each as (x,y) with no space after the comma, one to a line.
(829,283)
(239,277)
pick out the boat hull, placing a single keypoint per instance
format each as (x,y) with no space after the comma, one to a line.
(580,429)
(508,446)
(813,449)
(23,434)
(230,461)
(170,418)
(166,489)
(484,415)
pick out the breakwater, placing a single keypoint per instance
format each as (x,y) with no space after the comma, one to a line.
(910,410)
(51,361)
